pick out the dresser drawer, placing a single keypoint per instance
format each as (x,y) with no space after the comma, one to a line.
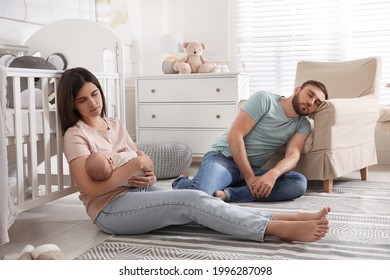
(186,115)
(187,90)
(198,140)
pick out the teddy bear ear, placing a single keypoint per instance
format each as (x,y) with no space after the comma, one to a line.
(6,59)
(203,45)
(58,60)
(185,44)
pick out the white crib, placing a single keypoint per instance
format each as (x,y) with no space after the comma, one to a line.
(37,172)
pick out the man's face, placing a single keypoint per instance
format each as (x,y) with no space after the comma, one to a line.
(307,100)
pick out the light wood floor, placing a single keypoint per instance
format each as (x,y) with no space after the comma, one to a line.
(64,222)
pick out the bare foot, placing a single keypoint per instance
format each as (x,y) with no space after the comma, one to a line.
(220,194)
(303,216)
(306,231)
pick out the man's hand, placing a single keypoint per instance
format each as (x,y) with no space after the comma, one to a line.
(261,186)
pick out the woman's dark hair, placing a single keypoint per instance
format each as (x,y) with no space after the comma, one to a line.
(71,82)
(318,84)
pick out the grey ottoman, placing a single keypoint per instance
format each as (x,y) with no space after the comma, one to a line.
(171,158)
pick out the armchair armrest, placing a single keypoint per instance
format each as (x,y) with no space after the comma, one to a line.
(344,122)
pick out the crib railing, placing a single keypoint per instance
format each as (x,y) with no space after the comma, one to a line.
(38,172)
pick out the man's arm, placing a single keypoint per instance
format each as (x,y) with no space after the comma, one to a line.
(262,187)
(242,125)
(292,155)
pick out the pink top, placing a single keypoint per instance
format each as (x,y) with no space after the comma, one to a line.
(81,140)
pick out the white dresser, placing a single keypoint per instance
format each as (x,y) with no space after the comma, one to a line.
(193,108)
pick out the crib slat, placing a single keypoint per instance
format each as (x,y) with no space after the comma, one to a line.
(59,144)
(46,134)
(32,159)
(18,140)
(119,99)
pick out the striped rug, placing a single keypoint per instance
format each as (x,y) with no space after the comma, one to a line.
(359,229)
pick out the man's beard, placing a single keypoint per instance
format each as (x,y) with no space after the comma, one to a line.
(297,109)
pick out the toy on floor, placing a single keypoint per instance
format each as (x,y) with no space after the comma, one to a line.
(42,252)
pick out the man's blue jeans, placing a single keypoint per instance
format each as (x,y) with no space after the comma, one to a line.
(218,172)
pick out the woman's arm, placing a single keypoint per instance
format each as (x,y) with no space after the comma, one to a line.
(118,178)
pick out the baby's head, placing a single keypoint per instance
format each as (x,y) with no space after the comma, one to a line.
(98,166)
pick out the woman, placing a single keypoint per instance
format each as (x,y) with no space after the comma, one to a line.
(118,209)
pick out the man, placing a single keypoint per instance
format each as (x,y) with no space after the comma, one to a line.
(232,169)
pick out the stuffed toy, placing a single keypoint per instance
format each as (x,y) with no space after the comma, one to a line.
(56,61)
(194,61)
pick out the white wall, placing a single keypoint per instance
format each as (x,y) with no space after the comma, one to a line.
(192,21)
(15,32)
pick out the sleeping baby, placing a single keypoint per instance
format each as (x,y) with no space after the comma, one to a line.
(99,165)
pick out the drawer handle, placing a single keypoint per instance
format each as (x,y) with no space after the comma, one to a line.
(153,116)
(152,90)
(218,116)
(217,89)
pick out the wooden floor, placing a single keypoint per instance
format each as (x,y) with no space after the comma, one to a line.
(65,223)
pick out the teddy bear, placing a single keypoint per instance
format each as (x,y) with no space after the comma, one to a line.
(194,61)
(56,61)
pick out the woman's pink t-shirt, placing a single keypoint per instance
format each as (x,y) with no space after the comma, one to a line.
(81,140)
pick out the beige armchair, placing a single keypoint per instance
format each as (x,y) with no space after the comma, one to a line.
(342,138)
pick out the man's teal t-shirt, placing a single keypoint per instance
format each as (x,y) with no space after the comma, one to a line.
(273,128)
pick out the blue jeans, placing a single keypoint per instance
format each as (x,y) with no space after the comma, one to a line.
(143,210)
(217,172)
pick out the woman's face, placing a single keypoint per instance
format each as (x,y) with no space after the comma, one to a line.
(88,101)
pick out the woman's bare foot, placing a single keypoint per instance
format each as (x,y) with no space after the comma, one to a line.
(303,216)
(220,194)
(306,231)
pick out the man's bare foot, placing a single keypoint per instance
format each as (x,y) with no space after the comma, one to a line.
(306,231)
(303,216)
(220,194)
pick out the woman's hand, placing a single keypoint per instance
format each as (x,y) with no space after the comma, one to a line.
(143,181)
(146,166)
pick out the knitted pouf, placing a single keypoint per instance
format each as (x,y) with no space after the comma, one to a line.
(171,158)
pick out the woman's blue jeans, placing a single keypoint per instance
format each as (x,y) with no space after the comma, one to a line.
(217,172)
(142,210)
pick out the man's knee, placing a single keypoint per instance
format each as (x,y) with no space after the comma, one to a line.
(300,183)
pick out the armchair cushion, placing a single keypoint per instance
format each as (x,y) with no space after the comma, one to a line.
(343,79)
(344,122)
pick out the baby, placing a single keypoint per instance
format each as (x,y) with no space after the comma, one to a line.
(99,165)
